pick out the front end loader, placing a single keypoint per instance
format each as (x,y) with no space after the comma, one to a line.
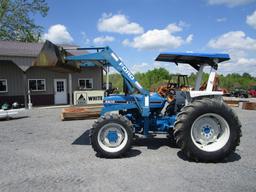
(203,126)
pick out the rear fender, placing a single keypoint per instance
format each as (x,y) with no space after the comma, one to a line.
(195,95)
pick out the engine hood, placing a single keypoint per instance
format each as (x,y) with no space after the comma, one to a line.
(155,99)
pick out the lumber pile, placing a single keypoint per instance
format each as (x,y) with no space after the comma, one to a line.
(249,106)
(232,103)
(79,113)
(241,103)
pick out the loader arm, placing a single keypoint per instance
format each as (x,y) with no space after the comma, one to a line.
(108,57)
(54,55)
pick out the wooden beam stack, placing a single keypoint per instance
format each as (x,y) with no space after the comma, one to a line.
(79,113)
(232,103)
(249,106)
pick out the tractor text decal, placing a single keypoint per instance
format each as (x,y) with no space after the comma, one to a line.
(124,68)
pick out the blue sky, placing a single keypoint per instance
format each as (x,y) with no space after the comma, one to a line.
(137,30)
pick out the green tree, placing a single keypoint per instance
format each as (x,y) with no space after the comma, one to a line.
(152,79)
(16,22)
(116,80)
(247,75)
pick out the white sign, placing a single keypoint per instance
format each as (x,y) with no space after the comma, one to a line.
(88,97)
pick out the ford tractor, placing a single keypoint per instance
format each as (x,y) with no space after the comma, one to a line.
(203,126)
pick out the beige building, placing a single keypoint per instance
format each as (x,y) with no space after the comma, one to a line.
(46,86)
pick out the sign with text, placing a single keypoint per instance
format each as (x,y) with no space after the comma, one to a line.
(88,97)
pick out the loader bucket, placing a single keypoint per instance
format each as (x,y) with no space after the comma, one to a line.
(50,55)
(53,57)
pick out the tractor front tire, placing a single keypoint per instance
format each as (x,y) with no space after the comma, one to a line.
(207,130)
(111,136)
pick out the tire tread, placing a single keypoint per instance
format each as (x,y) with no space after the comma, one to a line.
(181,127)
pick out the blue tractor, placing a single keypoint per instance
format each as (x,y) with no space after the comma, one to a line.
(202,125)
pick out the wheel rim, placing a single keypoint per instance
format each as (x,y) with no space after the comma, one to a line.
(112,137)
(210,132)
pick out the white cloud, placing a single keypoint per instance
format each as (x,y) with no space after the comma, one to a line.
(58,34)
(85,39)
(173,28)
(241,49)
(189,39)
(240,66)
(233,40)
(230,3)
(118,23)
(246,61)
(159,39)
(251,19)
(143,67)
(103,39)
(183,24)
(221,19)
(171,67)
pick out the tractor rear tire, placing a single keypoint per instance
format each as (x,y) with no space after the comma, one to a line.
(111,136)
(207,130)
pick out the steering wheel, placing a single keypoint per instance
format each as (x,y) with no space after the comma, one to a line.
(166,92)
(170,95)
(172,85)
(171,91)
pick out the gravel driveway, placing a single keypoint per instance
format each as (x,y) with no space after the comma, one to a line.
(42,153)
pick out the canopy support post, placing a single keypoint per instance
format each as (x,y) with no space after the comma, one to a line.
(199,78)
(211,79)
(25,89)
(107,78)
(70,88)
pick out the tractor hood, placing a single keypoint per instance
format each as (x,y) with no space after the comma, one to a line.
(155,99)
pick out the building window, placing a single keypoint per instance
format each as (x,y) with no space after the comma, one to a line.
(36,84)
(85,83)
(3,86)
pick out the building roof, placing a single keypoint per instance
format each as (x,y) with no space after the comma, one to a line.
(19,52)
(15,48)
(22,49)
